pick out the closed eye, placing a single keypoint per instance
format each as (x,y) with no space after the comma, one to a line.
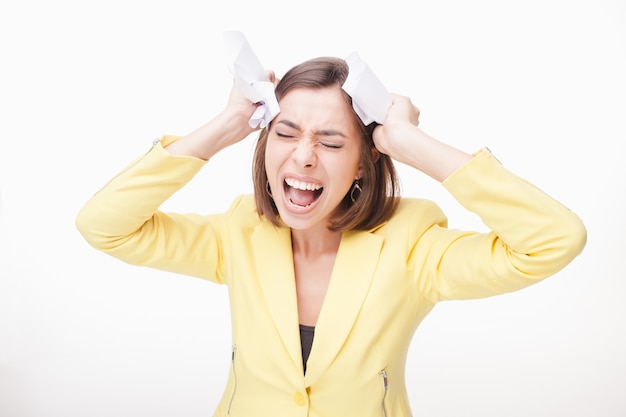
(332,145)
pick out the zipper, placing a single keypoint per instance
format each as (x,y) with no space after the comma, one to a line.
(232,361)
(383,375)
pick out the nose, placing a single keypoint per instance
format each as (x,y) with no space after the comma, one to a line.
(304,153)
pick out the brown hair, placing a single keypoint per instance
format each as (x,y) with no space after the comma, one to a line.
(378,200)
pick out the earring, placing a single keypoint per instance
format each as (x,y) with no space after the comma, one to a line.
(268,190)
(356,187)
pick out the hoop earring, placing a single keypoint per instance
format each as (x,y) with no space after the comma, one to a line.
(355,187)
(268,190)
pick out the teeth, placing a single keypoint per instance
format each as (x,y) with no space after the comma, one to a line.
(301,185)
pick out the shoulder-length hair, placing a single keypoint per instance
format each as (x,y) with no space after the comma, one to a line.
(380,186)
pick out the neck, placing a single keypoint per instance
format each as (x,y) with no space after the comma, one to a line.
(314,243)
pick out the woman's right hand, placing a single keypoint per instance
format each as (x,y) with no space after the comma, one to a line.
(240,108)
(228,127)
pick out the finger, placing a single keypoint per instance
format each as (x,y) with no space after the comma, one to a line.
(271,76)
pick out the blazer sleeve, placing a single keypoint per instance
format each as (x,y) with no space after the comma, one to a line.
(532,236)
(123,218)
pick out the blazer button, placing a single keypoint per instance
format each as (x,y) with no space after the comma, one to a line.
(299,399)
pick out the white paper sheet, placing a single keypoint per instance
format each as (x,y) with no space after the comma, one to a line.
(370,98)
(250,78)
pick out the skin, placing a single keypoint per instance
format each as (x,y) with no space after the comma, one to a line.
(312,140)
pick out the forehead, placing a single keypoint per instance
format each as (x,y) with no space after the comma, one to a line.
(315,107)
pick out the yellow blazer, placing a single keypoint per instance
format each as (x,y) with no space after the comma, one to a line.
(383,284)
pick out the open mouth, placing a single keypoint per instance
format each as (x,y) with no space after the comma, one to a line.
(300,193)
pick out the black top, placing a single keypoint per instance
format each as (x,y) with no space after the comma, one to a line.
(306,340)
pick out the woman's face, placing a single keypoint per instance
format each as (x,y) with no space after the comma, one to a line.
(312,156)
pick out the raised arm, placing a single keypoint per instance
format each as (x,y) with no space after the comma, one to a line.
(123,218)
(532,236)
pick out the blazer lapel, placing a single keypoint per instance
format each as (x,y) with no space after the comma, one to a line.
(350,281)
(274,260)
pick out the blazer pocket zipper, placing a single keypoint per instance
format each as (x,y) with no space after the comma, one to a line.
(233,367)
(383,376)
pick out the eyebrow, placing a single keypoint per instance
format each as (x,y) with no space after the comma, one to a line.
(322,132)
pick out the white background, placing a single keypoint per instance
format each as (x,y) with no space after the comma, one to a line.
(86,86)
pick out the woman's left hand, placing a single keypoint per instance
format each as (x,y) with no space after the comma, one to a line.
(394,136)
(401,139)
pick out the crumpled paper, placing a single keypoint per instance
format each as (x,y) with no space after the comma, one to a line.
(250,78)
(370,98)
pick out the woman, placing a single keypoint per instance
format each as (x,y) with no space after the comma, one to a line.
(329,271)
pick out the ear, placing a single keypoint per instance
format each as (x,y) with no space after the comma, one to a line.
(375,154)
(375,157)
